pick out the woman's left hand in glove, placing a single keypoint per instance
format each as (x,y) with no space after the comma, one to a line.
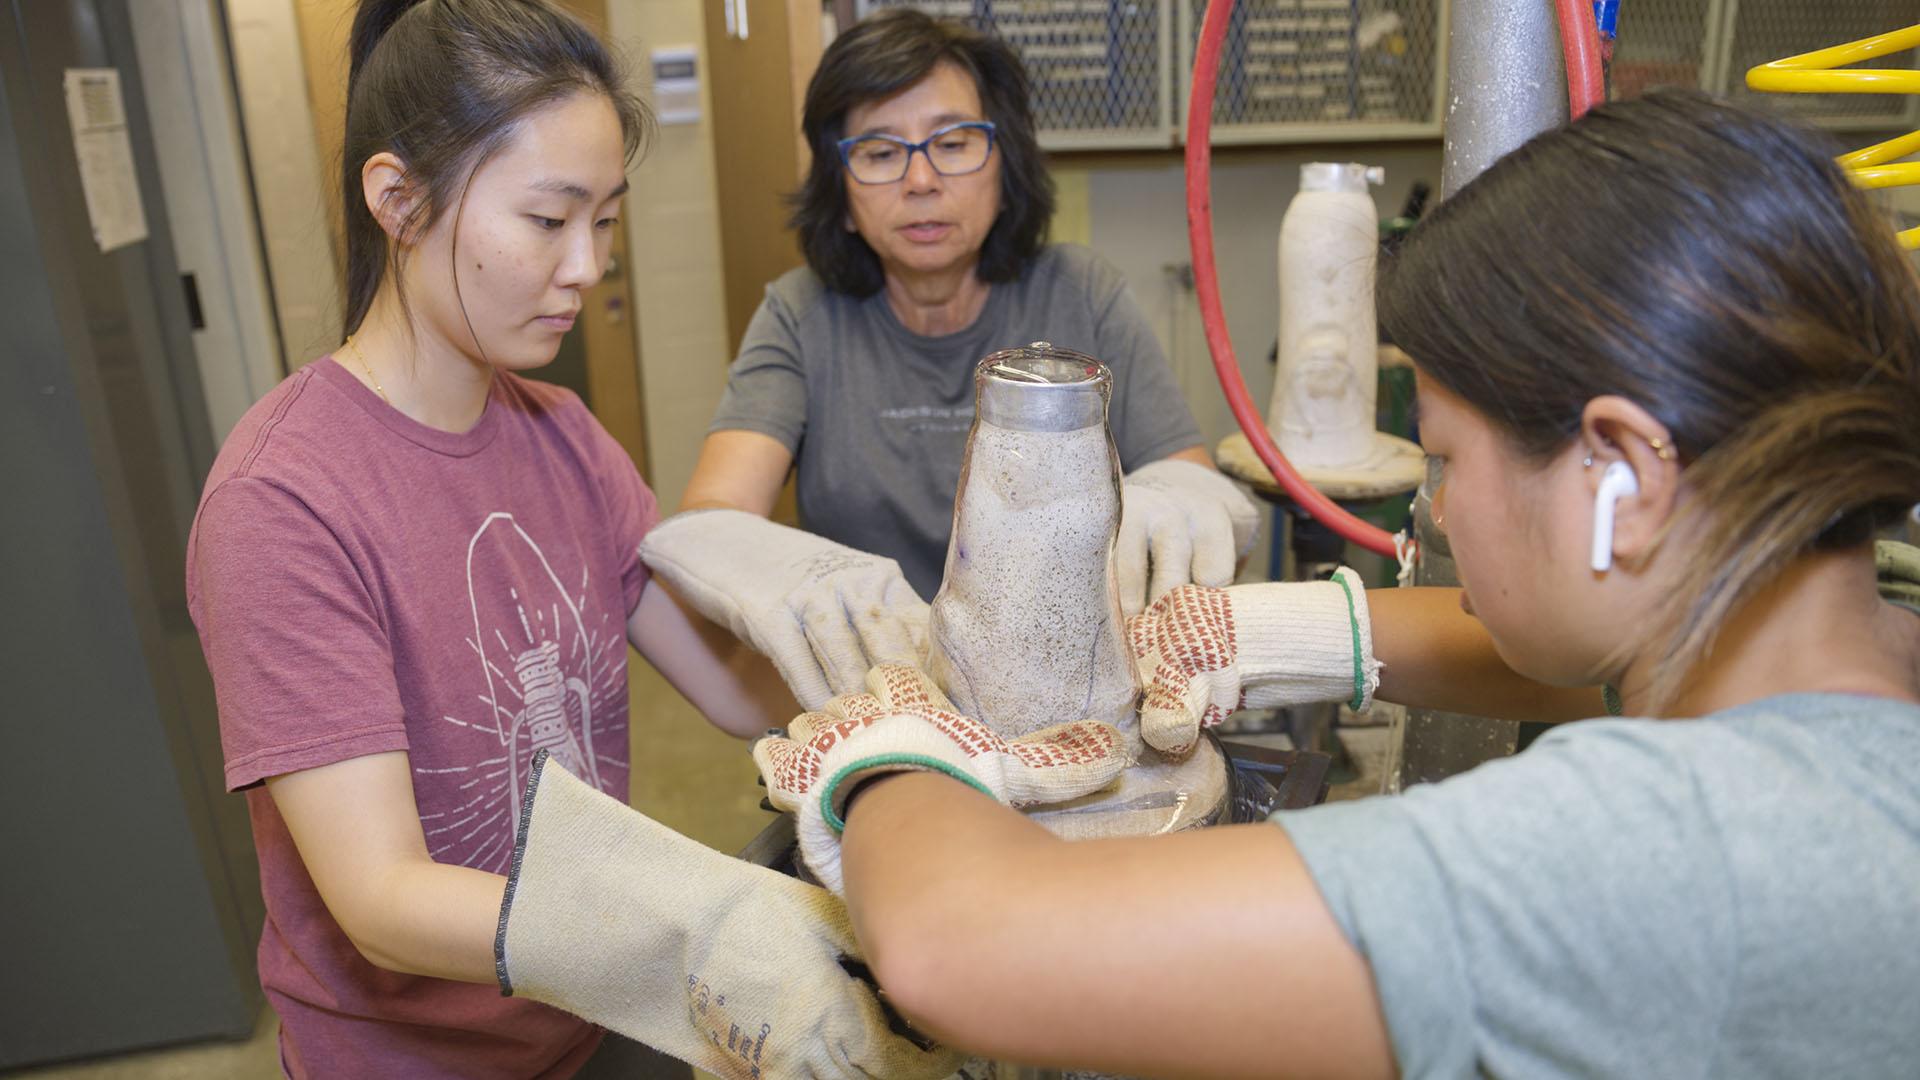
(1180,523)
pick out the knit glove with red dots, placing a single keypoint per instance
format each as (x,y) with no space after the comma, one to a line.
(905,723)
(1204,653)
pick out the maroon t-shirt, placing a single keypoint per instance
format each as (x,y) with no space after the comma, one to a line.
(363,583)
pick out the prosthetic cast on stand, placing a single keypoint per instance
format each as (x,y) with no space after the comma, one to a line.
(732,967)
(1322,410)
(822,612)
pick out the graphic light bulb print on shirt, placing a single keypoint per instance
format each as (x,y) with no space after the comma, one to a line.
(553,701)
(547,676)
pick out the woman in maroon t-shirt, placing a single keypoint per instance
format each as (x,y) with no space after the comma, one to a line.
(416,576)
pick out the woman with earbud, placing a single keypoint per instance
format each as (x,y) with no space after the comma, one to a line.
(1671,424)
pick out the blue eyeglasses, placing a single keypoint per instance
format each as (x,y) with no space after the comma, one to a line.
(954,150)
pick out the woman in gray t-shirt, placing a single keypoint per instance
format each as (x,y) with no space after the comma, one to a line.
(1669,357)
(924,223)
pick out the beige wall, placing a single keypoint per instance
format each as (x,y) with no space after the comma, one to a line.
(673,228)
(324,29)
(288,174)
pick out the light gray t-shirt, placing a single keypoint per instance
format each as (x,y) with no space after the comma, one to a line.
(1732,896)
(877,416)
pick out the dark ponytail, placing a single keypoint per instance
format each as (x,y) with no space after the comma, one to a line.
(440,84)
(1714,265)
(371,23)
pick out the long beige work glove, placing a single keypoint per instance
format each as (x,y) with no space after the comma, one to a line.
(728,966)
(822,612)
(905,723)
(1203,653)
(1180,523)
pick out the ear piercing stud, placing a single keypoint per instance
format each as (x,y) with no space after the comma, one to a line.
(1660,447)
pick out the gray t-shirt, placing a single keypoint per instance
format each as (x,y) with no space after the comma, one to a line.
(1735,896)
(877,416)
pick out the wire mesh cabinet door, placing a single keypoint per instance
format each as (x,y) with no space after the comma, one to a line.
(1759,31)
(1324,70)
(1101,70)
(1116,74)
(1711,44)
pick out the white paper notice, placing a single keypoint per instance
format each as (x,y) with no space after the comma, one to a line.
(99,117)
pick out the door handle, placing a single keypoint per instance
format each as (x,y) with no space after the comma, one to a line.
(196,315)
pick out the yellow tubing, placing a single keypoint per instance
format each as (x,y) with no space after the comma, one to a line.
(1811,73)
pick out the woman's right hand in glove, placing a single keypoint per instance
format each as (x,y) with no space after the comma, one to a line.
(731,967)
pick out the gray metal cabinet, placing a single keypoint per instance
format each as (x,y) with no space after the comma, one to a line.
(129,898)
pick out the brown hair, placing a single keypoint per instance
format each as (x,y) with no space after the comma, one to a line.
(441,84)
(880,56)
(1714,265)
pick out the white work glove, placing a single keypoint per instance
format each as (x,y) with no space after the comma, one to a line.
(906,723)
(1203,653)
(731,967)
(1185,521)
(822,612)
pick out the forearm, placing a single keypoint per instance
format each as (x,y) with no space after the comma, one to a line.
(1151,956)
(1436,656)
(927,863)
(738,470)
(1196,454)
(359,835)
(711,500)
(737,689)
(429,918)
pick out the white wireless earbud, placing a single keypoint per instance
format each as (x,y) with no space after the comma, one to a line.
(1616,482)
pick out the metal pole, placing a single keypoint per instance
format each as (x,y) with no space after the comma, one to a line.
(1506,82)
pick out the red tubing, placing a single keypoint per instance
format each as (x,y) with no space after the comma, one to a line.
(1586,87)
(1206,282)
(1580,44)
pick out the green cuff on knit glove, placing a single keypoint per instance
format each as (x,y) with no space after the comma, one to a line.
(904,723)
(1203,653)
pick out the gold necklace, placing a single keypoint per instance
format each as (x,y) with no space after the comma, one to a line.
(361,359)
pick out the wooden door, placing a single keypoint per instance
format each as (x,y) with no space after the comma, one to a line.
(607,320)
(760,54)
